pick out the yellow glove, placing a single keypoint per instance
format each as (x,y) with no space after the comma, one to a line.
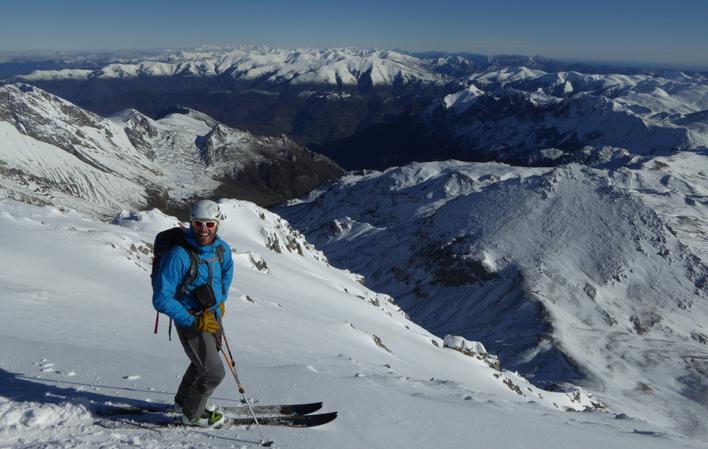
(222,309)
(206,322)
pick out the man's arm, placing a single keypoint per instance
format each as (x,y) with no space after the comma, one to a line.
(173,266)
(227,271)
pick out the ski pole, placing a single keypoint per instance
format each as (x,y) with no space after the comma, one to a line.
(232,367)
(231,356)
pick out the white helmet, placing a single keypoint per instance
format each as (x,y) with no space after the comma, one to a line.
(206,210)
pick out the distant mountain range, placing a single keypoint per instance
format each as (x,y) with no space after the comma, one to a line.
(378,108)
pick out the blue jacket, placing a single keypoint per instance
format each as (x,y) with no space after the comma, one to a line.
(174,266)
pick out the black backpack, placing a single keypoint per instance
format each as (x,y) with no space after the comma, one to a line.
(164,242)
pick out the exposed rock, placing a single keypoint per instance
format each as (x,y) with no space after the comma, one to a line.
(473,349)
(380,344)
(258,262)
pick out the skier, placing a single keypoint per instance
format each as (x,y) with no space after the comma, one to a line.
(197,309)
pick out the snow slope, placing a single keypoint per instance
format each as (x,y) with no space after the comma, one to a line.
(573,274)
(79,334)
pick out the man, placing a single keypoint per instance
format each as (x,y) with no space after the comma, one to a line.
(198,327)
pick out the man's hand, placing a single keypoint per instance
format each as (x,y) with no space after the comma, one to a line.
(206,322)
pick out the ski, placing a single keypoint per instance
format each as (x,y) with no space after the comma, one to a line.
(241,410)
(285,410)
(286,421)
(165,421)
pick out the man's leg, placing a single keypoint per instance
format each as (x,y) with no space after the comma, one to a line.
(188,380)
(203,375)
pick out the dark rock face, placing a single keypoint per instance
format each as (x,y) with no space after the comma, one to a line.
(448,266)
(274,181)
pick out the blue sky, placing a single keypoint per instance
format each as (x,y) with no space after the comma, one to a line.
(621,31)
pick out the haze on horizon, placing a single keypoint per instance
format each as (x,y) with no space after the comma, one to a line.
(631,33)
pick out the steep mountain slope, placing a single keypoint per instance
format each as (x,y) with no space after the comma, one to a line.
(79,335)
(53,152)
(571,274)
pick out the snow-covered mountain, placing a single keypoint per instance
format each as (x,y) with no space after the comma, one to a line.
(570,274)
(339,67)
(335,66)
(53,152)
(517,113)
(380,108)
(78,336)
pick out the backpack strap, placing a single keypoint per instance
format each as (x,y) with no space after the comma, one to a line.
(193,268)
(220,257)
(220,254)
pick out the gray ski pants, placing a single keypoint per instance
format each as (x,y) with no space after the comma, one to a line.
(204,374)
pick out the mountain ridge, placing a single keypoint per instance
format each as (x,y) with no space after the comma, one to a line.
(145,162)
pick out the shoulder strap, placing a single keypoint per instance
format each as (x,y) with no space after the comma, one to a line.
(220,253)
(193,267)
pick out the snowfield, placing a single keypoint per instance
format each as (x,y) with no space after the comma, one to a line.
(77,334)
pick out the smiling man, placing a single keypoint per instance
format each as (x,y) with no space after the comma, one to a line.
(191,286)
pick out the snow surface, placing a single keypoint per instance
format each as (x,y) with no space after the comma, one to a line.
(79,334)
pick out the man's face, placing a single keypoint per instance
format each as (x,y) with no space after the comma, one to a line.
(205,231)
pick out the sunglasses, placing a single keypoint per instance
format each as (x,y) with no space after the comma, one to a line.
(199,224)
